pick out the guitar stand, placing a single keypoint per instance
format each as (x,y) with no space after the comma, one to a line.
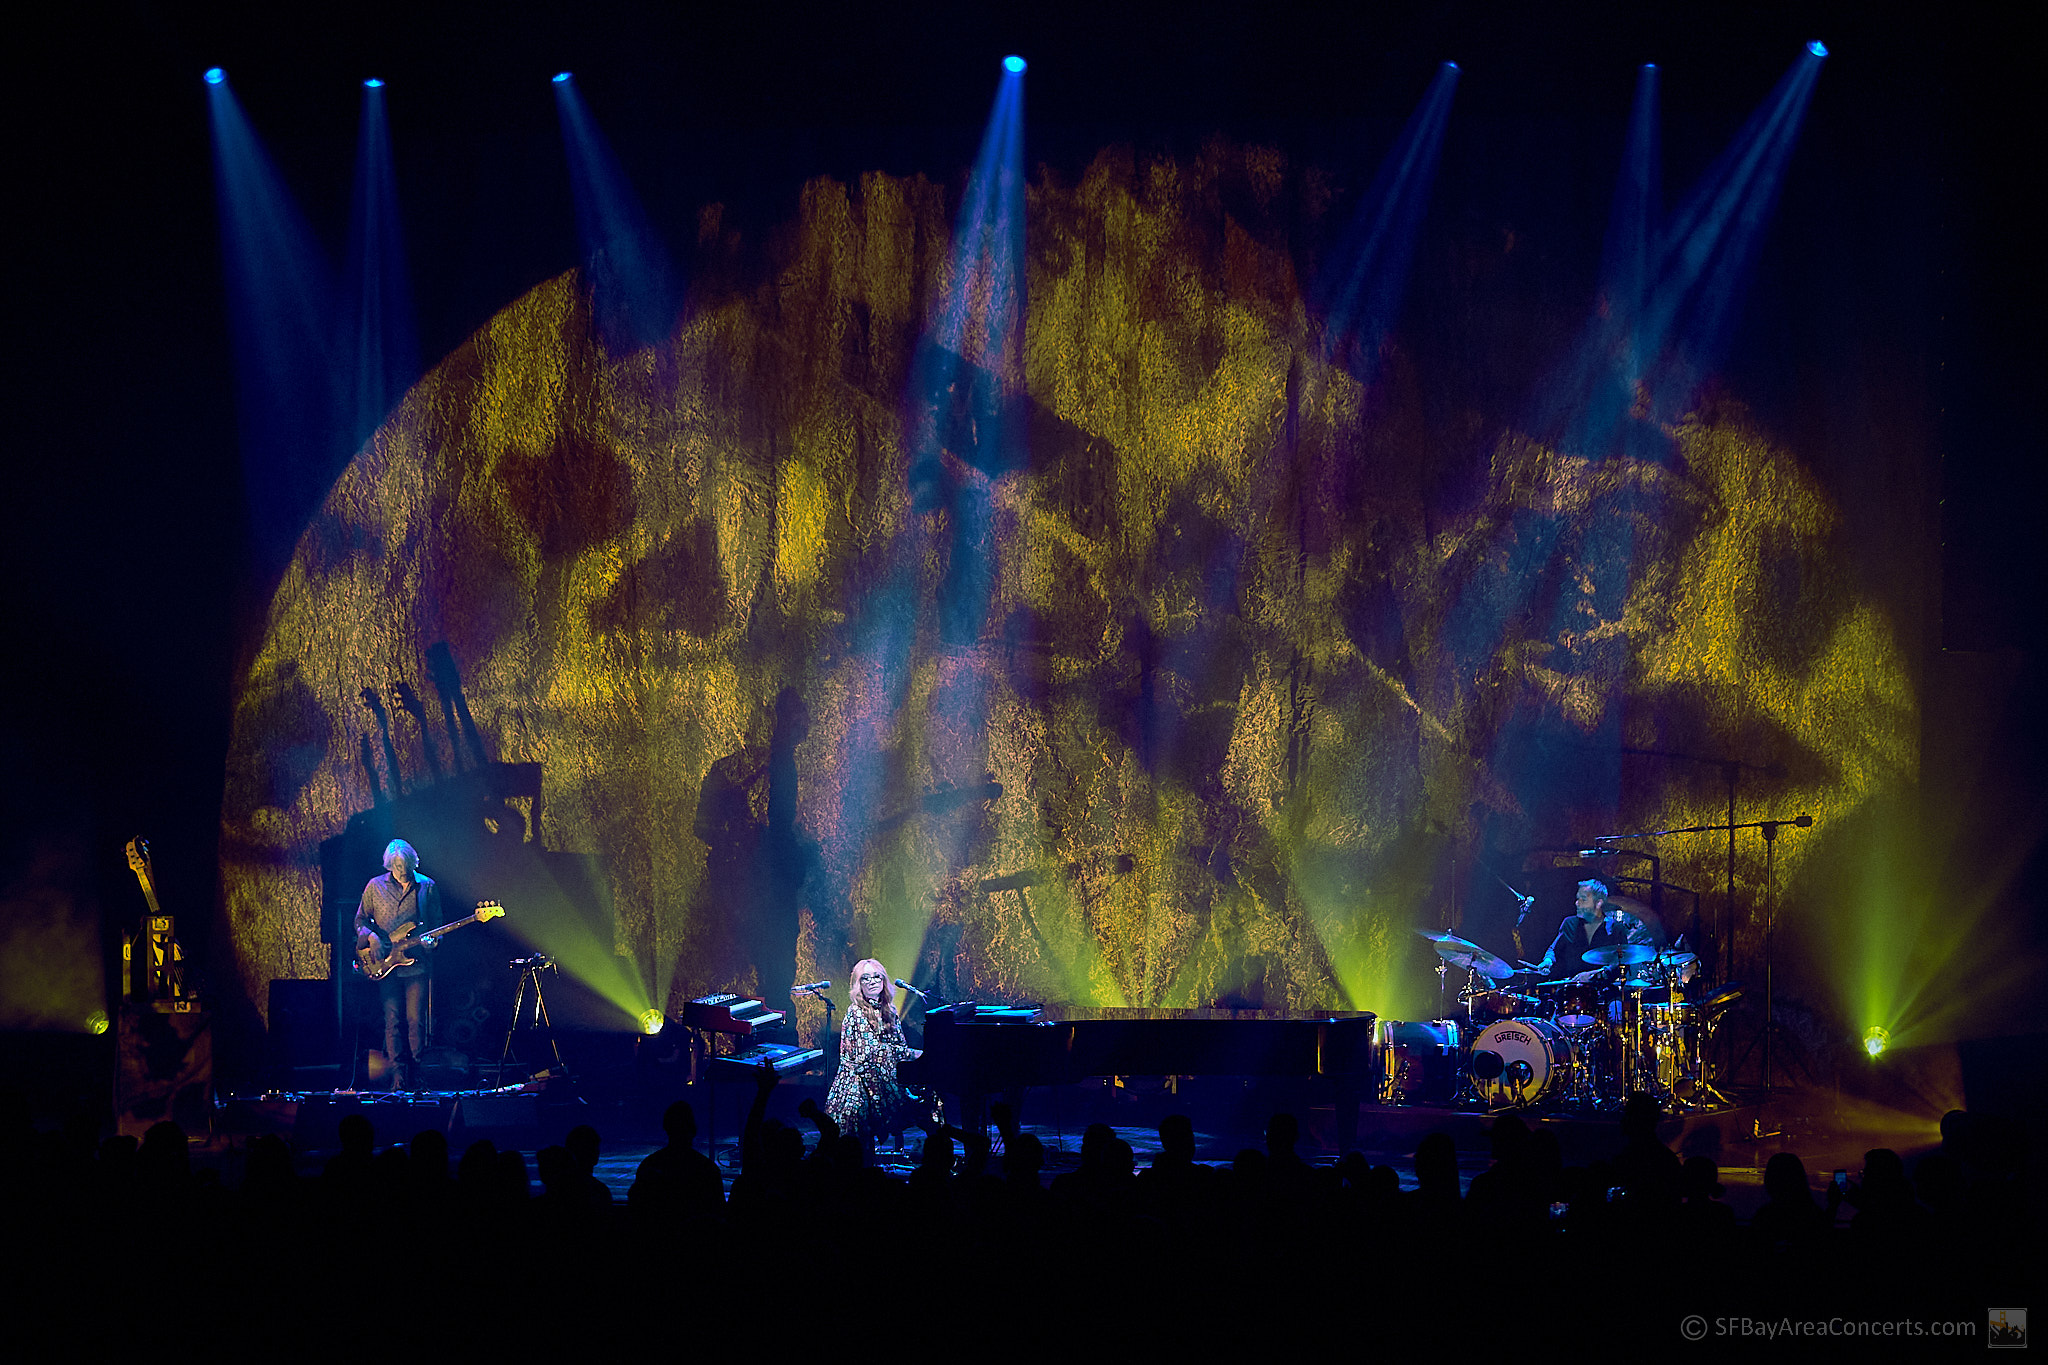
(529,969)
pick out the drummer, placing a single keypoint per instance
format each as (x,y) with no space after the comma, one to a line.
(1599,919)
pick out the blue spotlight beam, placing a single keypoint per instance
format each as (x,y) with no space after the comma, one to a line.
(964,424)
(633,285)
(384,345)
(1360,291)
(281,309)
(1669,292)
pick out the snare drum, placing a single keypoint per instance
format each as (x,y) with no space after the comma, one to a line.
(1419,1062)
(1531,1056)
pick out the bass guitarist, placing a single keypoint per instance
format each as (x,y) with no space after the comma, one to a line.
(390,903)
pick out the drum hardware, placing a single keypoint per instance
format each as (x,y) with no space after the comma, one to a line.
(1771,1031)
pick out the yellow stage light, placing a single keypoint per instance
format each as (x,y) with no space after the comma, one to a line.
(1875,1040)
(651,1022)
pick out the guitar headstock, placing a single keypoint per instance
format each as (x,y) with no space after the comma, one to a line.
(138,863)
(488,910)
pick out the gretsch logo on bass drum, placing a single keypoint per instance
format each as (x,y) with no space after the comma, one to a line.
(1512,1035)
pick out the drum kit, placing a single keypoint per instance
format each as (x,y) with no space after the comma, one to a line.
(1640,1020)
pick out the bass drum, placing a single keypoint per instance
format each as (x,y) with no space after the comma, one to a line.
(1419,1063)
(1519,1062)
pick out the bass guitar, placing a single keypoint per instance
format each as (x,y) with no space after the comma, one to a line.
(379,958)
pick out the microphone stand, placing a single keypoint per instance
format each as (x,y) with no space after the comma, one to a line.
(818,993)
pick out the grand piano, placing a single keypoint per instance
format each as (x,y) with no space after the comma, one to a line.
(973,1052)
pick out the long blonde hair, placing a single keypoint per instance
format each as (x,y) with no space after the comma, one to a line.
(882,1018)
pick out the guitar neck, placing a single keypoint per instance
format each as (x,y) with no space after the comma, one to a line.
(482,912)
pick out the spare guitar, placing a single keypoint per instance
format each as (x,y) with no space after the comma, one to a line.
(163,961)
(378,958)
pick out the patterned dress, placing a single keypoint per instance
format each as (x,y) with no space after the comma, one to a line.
(866,1096)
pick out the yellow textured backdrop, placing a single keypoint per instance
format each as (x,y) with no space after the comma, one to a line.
(1240,685)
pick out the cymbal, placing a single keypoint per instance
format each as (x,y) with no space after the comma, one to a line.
(1674,958)
(1461,952)
(1620,953)
(1723,998)
(1633,906)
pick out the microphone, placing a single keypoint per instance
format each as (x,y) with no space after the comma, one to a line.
(1598,852)
(811,986)
(1803,822)
(908,987)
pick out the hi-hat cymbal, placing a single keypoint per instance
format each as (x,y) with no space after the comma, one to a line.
(1618,954)
(1672,957)
(1460,952)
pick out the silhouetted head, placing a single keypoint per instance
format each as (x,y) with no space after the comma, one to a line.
(513,1183)
(937,1154)
(1095,1140)
(1436,1164)
(1884,1175)
(1699,1178)
(679,1121)
(1177,1137)
(356,1134)
(1283,1131)
(430,1153)
(1023,1158)
(1785,1180)
(1508,1138)
(584,1146)
(1640,1116)
(165,1156)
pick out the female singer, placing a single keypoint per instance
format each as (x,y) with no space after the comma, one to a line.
(866,1099)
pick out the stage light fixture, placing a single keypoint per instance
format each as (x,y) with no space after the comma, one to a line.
(1014,64)
(561,78)
(373,84)
(96,1022)
(1451,66)
(651,1022)
(214,75)
(1817,48)
(1875,1040)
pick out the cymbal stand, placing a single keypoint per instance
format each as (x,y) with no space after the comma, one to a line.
(1706,1058)
(529,969)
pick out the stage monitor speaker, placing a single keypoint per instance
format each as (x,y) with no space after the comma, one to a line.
(302,1029)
